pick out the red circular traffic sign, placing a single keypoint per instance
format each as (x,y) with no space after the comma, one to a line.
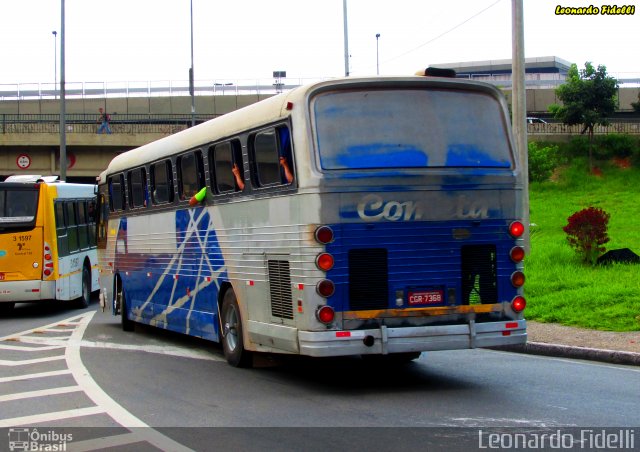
(23,161)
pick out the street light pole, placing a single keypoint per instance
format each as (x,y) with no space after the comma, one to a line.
(63,122)
(55,63)
(346,38)
(191,76)
(377,55)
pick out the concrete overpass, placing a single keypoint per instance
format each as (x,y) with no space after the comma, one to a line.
(30,140)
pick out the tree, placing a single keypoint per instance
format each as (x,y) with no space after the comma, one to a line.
(588,97)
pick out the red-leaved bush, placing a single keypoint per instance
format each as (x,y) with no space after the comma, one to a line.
(587,233)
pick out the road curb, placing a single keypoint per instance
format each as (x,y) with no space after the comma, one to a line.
(566,351)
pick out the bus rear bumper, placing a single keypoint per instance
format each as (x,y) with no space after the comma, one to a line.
(385,340)
(27,291)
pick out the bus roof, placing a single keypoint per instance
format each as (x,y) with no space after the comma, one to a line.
(262,113)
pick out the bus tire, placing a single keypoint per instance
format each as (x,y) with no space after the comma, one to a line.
(85,296)
(127,324)
(231,332)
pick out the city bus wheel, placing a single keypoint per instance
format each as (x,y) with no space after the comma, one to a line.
(85,295)
(231,332)
(127,325)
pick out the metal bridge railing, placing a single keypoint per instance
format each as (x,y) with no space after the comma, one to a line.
(88,123)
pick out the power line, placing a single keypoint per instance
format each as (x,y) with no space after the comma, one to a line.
(445,32)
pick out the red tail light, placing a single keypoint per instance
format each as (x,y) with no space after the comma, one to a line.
(517,254)
(47,261)
(516,229)
(325,314)
(518,303)
(517,279)
(325,288)
(324,261)
(324,235)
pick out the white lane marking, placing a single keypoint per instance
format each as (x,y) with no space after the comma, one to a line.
(23,348)
(57,330)
(102,399)
(161,350)
(25,362)
(40,393)
(69,321)
(104,442)
(53,373)
(44,340)
(49,417)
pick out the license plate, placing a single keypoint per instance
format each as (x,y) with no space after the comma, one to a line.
(426,297)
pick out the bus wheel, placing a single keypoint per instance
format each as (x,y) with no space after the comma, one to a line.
(127,325)
(231,331)
(6,308)
(85,297)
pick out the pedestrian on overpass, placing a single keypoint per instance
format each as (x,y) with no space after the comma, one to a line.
(104,119)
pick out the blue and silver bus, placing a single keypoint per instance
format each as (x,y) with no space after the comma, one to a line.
(357,216)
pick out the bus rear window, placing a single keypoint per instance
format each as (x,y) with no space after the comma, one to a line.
(18,205)
(410,128)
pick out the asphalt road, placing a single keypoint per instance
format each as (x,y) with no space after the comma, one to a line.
(83,370)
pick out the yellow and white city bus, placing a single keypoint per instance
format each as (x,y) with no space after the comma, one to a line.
(47,241)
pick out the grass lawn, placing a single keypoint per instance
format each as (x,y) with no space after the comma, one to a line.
(559,287)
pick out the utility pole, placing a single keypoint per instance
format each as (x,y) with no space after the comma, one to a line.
(519,106)
(63,122)
(346,39)
(191,77)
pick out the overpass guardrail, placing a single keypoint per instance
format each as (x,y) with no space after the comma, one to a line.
(172,123)
(89,123)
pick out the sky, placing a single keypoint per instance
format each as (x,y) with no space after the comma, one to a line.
(236,40)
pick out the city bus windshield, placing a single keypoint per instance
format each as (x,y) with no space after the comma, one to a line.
(410,128)
(18,205)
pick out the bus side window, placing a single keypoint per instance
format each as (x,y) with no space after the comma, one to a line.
(137,188)
(61,229)
(223,158)
(190,174)
(285,155)
(162,182)
(83,227)
(72,226)
(116,192)
(91,220)
(273,157)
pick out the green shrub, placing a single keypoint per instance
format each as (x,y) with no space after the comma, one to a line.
(542,161)
(605,147)
(614,145)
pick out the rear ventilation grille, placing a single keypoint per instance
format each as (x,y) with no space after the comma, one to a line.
(280,289)
(368,279)
(479,274)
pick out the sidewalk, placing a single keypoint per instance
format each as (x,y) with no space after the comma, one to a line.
(552,339)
